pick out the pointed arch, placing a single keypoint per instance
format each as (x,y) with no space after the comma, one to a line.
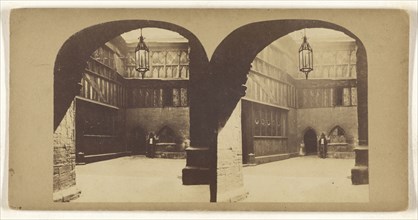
(167,135)
(310,140)
(137,140)
(337,135)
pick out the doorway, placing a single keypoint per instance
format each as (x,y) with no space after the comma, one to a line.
(310,141)
(138,141)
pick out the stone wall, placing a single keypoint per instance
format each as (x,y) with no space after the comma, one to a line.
(153,119)
(64,158)
(325,119)
(292,131)
(230,185)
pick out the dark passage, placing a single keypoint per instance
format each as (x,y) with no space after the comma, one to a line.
(138,141)
(310,142)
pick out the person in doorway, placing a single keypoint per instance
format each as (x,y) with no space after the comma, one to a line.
(151,145)
(323,146)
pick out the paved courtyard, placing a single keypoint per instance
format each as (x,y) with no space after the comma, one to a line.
(140,179)
(304,179)
(137,179)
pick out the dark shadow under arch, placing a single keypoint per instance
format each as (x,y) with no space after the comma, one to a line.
(167,135)
(137,140)
(232,60)
(310,140)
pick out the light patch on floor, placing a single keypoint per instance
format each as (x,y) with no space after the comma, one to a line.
(137,179)
(304,179)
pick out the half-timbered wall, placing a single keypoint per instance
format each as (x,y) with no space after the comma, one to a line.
(161,98)
(157,94)
(113,92)
(100,119)
(327,97)
(167,61)
(103,83)
(276,87)
(334,60)
(269,106)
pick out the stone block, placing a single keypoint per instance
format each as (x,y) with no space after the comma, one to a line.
(66,195)
(195,176)
(170,155)
(65,169)
(66,180)
(198,157)
(56,183)
(362,156)
(360,175)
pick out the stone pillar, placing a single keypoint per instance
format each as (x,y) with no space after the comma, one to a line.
(64,176)
(362,96)
(200,155)
(230,183)
(360,172)
(196,171)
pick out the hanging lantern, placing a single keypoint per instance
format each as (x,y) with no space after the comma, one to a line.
(142,57)
(305,57)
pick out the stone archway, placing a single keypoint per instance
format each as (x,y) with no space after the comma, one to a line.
(230,66)
(71,62)
(310,141)
(232,59)
(137,141)
(215,87)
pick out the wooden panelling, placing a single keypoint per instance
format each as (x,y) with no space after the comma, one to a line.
(158,97)
(320,97)
(98,128)
(264,129)
(270,90)
(264,146)
(154,93)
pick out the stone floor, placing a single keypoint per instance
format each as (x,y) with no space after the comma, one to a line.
(304,179)
(137,179)
(140,179)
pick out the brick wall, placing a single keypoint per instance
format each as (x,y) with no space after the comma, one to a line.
(230,185)
(64,158)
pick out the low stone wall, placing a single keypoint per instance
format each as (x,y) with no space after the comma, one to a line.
(340,151)
(170,151)
(274,157)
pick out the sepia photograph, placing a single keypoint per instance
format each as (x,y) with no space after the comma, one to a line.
(209,109)
(129,124)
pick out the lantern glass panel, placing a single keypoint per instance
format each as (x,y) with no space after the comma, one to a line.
(141,57)
(305,60)
(300,60)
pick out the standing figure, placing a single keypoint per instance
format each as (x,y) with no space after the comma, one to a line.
(151,145)
(323,146)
